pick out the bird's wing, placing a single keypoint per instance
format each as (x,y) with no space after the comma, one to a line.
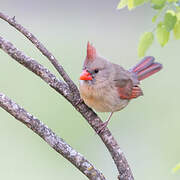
(126,87)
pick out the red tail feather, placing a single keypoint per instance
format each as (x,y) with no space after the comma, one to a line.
(146,67)
(144,63)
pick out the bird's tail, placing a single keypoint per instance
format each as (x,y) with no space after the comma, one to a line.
(146,67)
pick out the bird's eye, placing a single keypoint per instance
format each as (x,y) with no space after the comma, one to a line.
(96,70)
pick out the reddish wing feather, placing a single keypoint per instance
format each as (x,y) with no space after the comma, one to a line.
(128,91)
(145,68)
(135,92)
(125,91)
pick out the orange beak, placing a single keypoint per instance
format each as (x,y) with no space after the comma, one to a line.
(85,75)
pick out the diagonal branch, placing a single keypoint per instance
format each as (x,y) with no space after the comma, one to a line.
(71,93)
(92,118)
(36,68)
(42,49)
(57,143)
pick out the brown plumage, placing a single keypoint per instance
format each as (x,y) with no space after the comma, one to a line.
(108,87)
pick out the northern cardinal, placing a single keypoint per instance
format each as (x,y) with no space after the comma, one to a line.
(108,87)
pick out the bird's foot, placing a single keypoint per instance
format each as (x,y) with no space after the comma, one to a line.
(102,127)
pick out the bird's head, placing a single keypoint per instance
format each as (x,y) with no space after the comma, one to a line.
(95,68)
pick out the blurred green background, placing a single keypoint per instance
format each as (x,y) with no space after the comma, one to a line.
(147,130)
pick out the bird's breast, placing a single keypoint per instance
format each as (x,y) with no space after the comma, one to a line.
(104,98)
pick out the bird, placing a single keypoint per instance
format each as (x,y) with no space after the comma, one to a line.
(108,87)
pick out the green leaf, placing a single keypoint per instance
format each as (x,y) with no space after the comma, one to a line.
(133,3)
(170,20)
(130,4)
(176,30)
(178,15)
(170,1)
(122,4)
(158,4)
(177,7)
(162,34)
(154,18)
(176,168)
(139,2)
(144,43)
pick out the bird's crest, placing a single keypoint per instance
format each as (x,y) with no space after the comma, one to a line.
(91,51)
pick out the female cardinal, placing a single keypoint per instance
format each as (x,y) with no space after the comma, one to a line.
(108,87)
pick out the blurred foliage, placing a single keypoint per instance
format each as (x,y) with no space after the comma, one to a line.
(177,167)
(168,13)
(145,42)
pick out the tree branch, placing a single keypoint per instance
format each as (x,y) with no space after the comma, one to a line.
(36,68)
(42,49)
(72,96)
(57,143)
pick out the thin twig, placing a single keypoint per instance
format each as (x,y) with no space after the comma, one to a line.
(12,21)
(57,143)
(92,118)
